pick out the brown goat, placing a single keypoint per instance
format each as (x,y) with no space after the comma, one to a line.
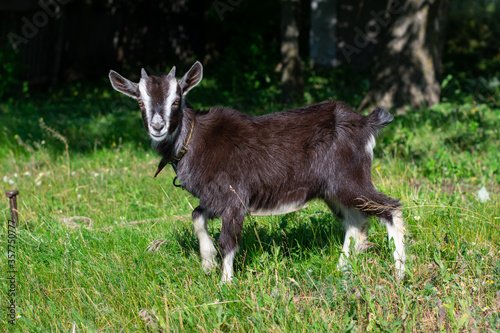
(238,164)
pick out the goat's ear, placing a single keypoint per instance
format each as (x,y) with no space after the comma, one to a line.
(123,85)
(191,78)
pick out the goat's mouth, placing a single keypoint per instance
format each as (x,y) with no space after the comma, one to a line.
(158,137)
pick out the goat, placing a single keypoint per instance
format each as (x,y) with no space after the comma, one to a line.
(238,164)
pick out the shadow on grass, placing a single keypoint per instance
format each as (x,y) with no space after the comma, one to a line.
(295,234)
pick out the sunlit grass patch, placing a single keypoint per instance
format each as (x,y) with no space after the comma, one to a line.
(88,216)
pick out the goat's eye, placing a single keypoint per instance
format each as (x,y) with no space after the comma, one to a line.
(141,104)
(176,102)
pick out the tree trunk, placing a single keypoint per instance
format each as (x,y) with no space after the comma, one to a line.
(292,81)
(323,46)
(408,69)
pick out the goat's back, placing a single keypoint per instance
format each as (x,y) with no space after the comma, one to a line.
(278,159)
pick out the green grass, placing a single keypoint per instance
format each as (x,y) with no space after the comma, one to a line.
(99,276)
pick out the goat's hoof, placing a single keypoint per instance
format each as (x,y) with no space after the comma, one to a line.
(226,279)
(345,269)
(208,266)
(400,274)
(343,265)
(226,282)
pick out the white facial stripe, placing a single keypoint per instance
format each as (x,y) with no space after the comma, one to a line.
(167,108)
(171,96)
(146,99)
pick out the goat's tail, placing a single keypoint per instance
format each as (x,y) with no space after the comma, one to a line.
(379,118)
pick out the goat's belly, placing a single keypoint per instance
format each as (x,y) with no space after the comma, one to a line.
(284,209)
(280,201)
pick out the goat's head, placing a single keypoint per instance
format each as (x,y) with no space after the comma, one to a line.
(161,98)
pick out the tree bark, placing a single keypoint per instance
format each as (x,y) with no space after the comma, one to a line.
(323,41)
(407,72)
(292,81)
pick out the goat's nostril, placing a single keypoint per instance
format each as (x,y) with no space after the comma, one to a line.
(158,126)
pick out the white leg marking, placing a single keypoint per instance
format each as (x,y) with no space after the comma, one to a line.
(227,267)
(355,225)
(396,231)
(207,248)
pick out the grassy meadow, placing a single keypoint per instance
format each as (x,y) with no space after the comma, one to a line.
(89,210)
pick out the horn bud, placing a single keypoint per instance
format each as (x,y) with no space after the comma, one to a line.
(172,72)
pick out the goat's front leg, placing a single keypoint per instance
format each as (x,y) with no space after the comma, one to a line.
(230,236)
(207,248)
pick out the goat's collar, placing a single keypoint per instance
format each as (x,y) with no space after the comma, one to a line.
(164,161)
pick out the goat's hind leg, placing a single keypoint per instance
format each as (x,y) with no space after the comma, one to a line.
(355,224)
(207,248)
(396,231)
(389,212)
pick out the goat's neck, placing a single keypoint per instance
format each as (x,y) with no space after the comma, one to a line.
(170,148)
